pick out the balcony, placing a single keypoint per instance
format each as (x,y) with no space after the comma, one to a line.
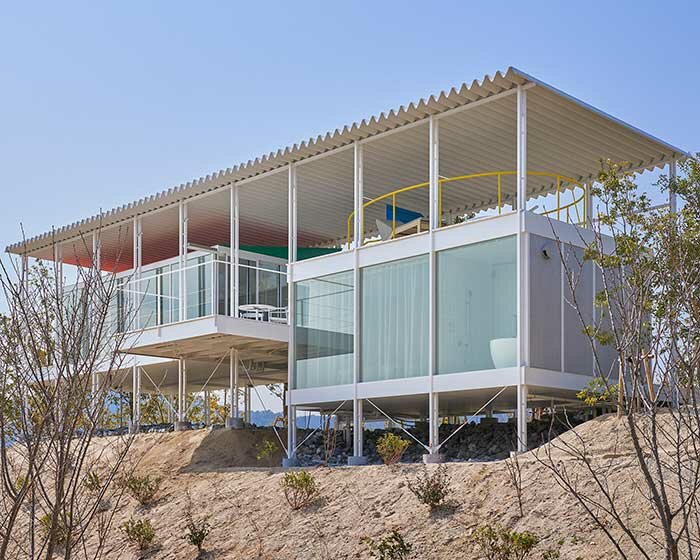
(155,299)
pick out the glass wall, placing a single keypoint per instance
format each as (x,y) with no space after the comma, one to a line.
(395,319)
(324,331)
(198,282)
(476,306)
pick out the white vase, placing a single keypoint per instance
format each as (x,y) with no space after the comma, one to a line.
(504,352)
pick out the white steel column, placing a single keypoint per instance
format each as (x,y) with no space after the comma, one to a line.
(182,254)
(96,262)
(588,202)
(358,457)
(181,395)
(434,171)
(234,419)
(358,196)
(290,460)
(234,249)
(522,270)
(672,198)
(136,399)
(521,199)
(522,418)
(136,281)
(435,220)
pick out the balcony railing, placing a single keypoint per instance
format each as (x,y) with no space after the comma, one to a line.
(155,298)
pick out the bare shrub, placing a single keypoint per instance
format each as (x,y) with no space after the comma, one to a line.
(391,448)
(515,477)
(197,529)
(300,489)
(431,488)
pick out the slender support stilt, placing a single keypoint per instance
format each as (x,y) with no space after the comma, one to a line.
(207,409)
(136,399)
(433,431)
(181,423)
(521,414)
(234,420)
(358,457)
(291,459)
(171,409)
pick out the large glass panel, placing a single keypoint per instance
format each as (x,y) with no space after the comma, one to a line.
(199,285)
(395,319)
(268,284)
(248,285)
(324,331)
(148,299)
(169,294)
(477,306)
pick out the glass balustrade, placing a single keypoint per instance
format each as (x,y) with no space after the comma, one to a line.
(155,298)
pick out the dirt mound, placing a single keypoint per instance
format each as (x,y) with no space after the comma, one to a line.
(251,520)
(202,451)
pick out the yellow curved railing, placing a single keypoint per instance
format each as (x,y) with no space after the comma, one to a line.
(560,179)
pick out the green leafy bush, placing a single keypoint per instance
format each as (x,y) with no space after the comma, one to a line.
(390,547)
(142,488)
(431,488)
(597,391)
(265,449)
(498,543)
(391,448)
(139,532)
(300,489)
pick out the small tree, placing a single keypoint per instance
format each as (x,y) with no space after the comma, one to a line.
(300,489)
(647,265)
(391,448)
(53,340)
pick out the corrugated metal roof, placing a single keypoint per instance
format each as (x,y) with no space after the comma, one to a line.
(552,109)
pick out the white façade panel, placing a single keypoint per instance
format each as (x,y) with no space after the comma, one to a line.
(545,303)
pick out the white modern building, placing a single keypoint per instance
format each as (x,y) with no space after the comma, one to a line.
(403,267)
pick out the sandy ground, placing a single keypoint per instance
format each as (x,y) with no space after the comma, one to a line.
(251,519)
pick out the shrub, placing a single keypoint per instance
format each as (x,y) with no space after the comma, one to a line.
(139,532)
(265,449)
(60,531)
(433,488)
(300,489)
(497,543)
(142,488)
(391,448)
(92,482)
(197,531)
(390,547)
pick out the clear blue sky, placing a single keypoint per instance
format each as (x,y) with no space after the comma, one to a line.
(102,103)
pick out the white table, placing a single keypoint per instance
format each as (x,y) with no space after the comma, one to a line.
(257,311)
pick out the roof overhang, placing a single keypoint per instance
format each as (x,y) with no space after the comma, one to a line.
(565,135)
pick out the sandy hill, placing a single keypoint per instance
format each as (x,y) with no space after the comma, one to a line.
(251,519)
